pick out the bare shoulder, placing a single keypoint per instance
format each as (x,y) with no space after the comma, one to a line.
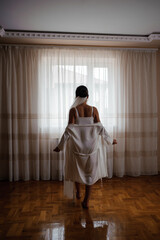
(72,115)
(95,110)
(72,111)
(96,115)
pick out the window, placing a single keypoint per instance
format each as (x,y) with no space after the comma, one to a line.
(57,91)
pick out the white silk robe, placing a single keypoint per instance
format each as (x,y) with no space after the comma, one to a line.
(85,152)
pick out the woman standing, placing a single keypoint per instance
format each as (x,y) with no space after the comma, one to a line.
(84,151)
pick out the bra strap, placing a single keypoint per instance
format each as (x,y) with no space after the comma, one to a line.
(92,112)
(77,112)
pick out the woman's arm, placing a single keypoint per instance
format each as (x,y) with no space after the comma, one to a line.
(106,136)
(62,142)
(104,132)
(72,120)
(72,116)
(96,115)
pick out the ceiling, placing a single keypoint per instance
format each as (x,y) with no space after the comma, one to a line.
(110,17)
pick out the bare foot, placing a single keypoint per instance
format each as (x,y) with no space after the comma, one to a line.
(84,205)
(78,196)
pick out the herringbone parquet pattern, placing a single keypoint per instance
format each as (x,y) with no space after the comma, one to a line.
(120,209)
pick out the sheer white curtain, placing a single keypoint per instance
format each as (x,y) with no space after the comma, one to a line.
(38,87)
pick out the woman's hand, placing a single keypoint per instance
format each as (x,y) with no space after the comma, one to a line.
(56,149)
(114,141)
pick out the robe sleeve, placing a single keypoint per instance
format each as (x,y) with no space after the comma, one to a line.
(63,140)
(106,136)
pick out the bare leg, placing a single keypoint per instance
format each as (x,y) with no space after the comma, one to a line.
(77,185)
(85,202)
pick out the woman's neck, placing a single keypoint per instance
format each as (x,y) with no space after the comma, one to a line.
(83,104)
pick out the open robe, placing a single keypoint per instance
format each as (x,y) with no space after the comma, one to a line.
(85,152)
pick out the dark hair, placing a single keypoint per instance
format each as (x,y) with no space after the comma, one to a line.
(82,91)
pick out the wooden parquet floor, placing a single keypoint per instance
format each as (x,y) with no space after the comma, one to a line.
(122,209)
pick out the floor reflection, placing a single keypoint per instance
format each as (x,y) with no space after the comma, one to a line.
(55,232)
(79,226)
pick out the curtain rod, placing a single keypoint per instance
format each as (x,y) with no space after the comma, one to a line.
(78,46)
